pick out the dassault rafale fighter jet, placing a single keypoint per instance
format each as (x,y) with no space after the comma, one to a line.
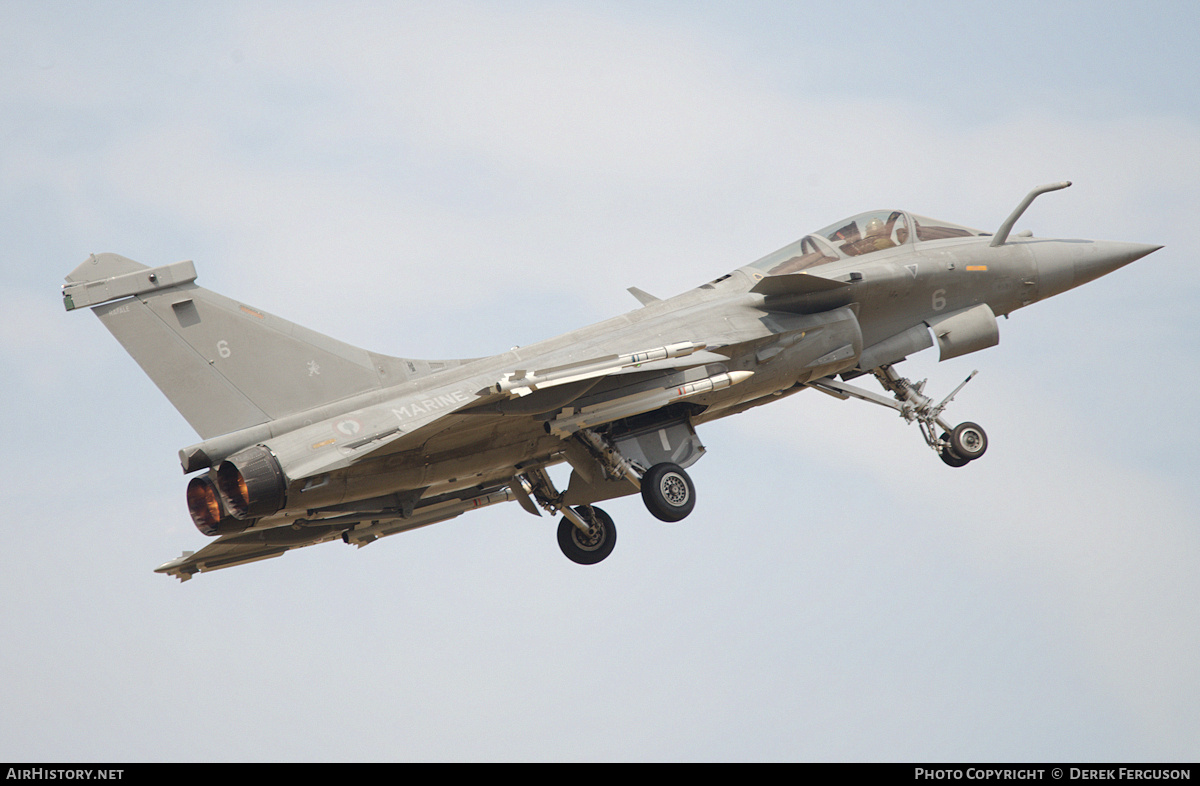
(307,439)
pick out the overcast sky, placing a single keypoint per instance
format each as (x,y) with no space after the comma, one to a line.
(449,179)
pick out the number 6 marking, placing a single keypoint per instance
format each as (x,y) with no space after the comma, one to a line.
(223,348)
(939,299)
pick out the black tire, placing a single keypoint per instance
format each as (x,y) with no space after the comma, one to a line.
(949,457)
(952,459)
(668,492)
(969,441)
(595,545)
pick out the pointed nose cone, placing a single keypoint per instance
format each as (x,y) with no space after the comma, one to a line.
(1103,257)
(1065,264)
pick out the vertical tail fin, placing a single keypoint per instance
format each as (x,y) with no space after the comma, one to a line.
(224,365)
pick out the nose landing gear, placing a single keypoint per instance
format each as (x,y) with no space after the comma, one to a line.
(957,446)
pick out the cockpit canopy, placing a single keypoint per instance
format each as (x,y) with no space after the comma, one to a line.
(863,234)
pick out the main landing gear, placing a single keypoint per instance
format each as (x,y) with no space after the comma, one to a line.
(957,446)
(586,534)
(587,546)
(668,492)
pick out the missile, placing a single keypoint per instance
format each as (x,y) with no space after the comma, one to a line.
(522,383)
(637,403)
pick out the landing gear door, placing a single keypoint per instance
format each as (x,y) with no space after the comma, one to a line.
(675,442)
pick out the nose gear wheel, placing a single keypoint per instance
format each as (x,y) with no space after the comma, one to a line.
(957,446)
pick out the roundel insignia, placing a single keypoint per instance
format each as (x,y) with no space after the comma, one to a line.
(348,427)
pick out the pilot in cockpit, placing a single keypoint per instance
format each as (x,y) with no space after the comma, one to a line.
(876,237)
